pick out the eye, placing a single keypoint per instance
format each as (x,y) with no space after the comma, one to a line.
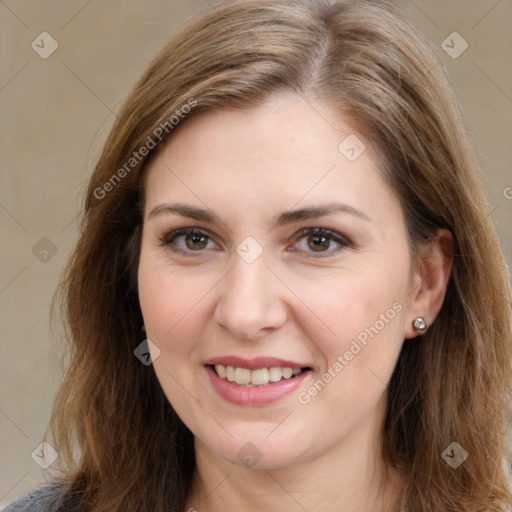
(187,240)
(320,241)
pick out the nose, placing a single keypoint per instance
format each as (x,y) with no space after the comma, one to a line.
(251,302)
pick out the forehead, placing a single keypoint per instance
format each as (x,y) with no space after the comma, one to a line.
(287,151)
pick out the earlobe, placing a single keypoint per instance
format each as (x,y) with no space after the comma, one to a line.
(430,283)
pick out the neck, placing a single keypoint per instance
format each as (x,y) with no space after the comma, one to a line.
(352,474)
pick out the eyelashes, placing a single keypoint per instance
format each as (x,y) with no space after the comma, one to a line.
(198,238)
(319,237)
(193,242)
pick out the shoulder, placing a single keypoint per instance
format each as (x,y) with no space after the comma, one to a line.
(47,498)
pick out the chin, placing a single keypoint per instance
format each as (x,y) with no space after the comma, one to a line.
(260,448)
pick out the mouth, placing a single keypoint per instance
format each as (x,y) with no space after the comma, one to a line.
(255,382)
(258,377)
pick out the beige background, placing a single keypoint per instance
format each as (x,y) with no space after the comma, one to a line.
(57,111)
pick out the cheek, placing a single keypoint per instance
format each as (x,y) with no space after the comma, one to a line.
(360,304)
(171,304)
(366,313)
(365,309)
(173,313)
(374,332)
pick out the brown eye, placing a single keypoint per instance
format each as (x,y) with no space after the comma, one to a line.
(187,241)
(318,243)
(321,241)
(196,241)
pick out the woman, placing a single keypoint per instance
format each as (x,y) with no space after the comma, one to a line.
(288,293)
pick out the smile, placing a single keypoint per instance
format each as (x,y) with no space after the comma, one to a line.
(258,377)
(255,382)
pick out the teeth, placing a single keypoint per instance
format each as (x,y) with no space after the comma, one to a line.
(221,370)
(275,374)
(287,373)
(260,377)
(230,373)
(242,376)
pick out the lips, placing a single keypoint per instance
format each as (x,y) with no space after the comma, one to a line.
(257,381)
(255,363)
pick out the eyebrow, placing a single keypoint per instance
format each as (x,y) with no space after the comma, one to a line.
(282,219)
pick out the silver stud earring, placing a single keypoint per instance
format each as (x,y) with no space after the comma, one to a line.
(420,325)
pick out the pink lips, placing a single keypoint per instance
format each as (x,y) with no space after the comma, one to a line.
(257,395)
(255,363)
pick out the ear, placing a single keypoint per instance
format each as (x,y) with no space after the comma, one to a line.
(429,281)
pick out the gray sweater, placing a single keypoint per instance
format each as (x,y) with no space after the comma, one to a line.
(47,498)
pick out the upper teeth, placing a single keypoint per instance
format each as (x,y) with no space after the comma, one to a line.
(258,377)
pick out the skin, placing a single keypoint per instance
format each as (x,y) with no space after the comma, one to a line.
(291,302)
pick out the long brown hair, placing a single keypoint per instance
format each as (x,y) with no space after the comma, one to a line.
(124,446)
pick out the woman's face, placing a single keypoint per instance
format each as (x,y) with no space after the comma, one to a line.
(279,319)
